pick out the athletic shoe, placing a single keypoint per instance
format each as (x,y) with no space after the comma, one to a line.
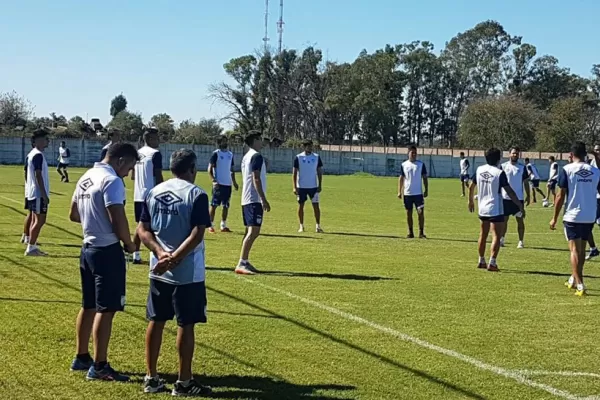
(153,385)
(24,240)
(35,253)
(319,230)
(78,365)
(62,178)
(211,230)
(226,230)
(137,262)
(66,181)
(422,236)
(245,269)
(105,374)
(570,285)
(592,254)
(581,293)
(502,242)
(194,389)
(520,245)
(482,266)
(493,268)
(301,229)
(410,236)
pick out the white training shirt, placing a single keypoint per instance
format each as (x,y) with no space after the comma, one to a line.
(307,166)
(516,174)
(595,165)
(36,162)
(413,173)
(582,183)
(490,180)
(534,174)
(553,172)
(222,162)
(464,166)
(99,188)
(64,155)
(150,159)
(252,161)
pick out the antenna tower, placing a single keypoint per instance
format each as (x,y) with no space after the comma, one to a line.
(280,24)
(266,37)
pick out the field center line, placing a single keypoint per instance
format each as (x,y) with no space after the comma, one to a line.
(511,374)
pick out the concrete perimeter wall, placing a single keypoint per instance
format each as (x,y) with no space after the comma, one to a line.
(440,163)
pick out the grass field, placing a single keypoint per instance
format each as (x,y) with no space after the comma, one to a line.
(356,313)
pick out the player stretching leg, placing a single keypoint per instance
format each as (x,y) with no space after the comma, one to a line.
(464,172)
(222,175)
(489,180)
(579,185)
(552,179)
(534,180)
(518,179)
(409,186)
(307,175)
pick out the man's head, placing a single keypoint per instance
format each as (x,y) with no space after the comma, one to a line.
(122,157)
(254,140)
(63,144)
(308,146)
(222,142)
(578,151)
(39,139)
(114,135)
(183,165)
(462,154)
(551,159)
(412,153)
(151,138)
(493,156)
(526,160)
(514,154)
(597,149)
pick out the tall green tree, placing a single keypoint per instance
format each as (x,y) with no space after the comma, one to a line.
(118,104)
(165,125)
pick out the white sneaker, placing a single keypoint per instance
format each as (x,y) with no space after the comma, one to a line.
(245,269)
(35,252)
(520,245)
(301,229)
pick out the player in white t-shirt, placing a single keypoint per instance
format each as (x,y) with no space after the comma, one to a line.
(38,189)
(64,158)
(220,171)
(594,161)
(465,167)
(490,180)
(579,185)
(534,180)
(147,173)
(518,179)
(412,171)
(552,179)
(114,136)
(307,177)
(29,216)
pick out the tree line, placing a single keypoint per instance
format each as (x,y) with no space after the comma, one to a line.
(485,88)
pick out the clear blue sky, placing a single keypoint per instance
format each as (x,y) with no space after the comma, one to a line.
(74,56)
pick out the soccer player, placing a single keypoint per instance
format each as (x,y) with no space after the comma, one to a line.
(38,190)
(29,216)
(579,185)
(98,205)
(518,179)
(114,136)
(146,174)
(595,157)
(172,226)
(534,179)
(222,175)
(254,199)
(552,179)
(307,177)
(412,171)
(464,172)
(489,180)
(64,155)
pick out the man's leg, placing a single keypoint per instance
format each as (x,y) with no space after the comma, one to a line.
(138,206)
(27,227)
(37,222)
(84,325)
(224,215)
(66,173)
(301,216)
(154,335)
(521,229)
(504,230)
(185,347)
(576,260)
(62,177)
(462,184)
(102,330)
(496,229)
(317,211)
(421,214)
(483,235)
(252,233)
(409,222)
(212,211)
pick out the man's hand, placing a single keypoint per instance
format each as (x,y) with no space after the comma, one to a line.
(295,191)
(527,201)
(235,186)
(46,199)
(553,223)
(163,265)
(319,189)
(266,206)
(129,247)
(426,193)
(215,185)
(471,206)
(522,211)
(400,195)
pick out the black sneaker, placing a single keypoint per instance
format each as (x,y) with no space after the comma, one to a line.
(153,385)
(194,389)
(422,236)
(410,236)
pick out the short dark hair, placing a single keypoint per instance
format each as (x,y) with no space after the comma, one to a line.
(412,148)
(307,142)
(551,158)
(112,131)
(515,148)
(182,161)
(578,150)
(222,139)
(526,159)
(493,156)
(122,150)
(150,132)
(63,142)
(251,137)
(462,153)
(39,133)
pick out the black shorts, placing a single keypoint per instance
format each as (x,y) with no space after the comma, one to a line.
(535,183)
(574,231)
(221,195)
(252,214)
(138,206)
(305,194)
(495,219)
(418,201)
(552,184)
(510,208)
(62,166)
(465,178)
(37,206)
(186,302)
(26,204)
(103,276)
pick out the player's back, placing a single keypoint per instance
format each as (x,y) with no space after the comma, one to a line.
(533,171)
(490,180)
(582,183)
(252,161)
(36,161)
(464,166)
(144,172)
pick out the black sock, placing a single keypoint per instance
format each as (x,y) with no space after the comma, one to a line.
(85,357)
(100,365)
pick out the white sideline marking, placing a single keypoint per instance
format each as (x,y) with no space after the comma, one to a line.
(518,376)
(527,372)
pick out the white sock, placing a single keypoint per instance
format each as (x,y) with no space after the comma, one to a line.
(31,247)
(185,383)
(223,224)
(492,261)
(481,260)
(242,261)
(580,286)
(136,255)
(571,280)
(26,240)
(301,226)
(318,226)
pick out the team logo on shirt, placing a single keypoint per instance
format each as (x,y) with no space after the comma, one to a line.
(584,174)
(486,176)
(168,200)
(85,184)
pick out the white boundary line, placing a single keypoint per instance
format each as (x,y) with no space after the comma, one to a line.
(519,376)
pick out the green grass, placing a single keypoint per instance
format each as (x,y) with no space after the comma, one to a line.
(263,344)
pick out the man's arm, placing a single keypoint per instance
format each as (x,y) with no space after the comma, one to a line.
(157,164)
(211,167)
(471,202)
(38,161)
(233,181)
(320,174)
(526,186)
(425,181)
(114,197)
(256,164)
(295,172)
(74,212)
(563,184)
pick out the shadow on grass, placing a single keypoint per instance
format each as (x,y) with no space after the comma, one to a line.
(351,277)
(60,228)
(365,235)
(289,236)
(546,273)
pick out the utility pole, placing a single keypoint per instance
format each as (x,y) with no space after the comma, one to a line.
(266,37)
(280,24)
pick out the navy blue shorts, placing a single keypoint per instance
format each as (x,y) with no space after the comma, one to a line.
(221,195)
(417,201)
(62,166)
(186,302)
(574,231)
(252,214)
(598,211)
(103,275)
(510,208)
(552,184)
(37,206)
(26,204)
(535,183)
(465,178)
(138,206)
(495,219)
(305,194)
